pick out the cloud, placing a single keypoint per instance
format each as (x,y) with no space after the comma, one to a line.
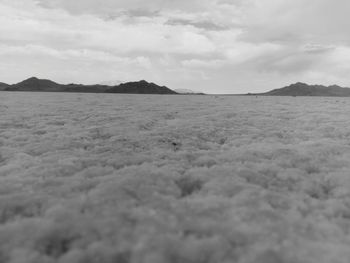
(277,40)
(197,63)
(111,6)
(317,21)
(206,25)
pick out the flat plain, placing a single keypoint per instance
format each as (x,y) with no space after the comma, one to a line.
(94,178)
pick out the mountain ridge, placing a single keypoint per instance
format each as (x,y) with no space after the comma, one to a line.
(303,89)
(3,86)
(138,88)
(46,85)
(188,92)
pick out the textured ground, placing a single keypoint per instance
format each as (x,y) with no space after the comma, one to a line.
(173,179)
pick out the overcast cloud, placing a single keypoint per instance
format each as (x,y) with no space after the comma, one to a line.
(215,46)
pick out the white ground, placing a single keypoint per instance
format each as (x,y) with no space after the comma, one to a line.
(180,179)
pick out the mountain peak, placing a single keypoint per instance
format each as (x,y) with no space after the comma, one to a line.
(35,84)
(36,80)
(30,80)
(303,89)
(141,87)
(334,86)
(299,84)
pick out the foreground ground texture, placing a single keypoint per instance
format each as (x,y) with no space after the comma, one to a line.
(88,178)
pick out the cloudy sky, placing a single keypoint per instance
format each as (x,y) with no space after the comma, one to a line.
(214,46)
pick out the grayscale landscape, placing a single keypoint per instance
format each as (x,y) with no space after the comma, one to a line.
(174,131)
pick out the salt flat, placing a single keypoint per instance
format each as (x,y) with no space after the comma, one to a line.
(158,179)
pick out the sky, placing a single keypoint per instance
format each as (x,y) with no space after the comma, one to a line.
(212,46)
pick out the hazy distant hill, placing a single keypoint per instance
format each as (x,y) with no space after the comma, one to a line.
(44,85)
(188,92)
(110,83)
(302,89)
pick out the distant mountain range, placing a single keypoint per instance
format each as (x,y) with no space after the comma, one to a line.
(111,82)
(188,92)
(44,85)
(144,87)
(302,89)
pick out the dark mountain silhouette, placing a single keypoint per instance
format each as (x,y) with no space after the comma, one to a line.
(3,86)
(140,87)
(35,84)
(302,89)
(44,85)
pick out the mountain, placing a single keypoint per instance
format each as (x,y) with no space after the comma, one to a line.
(184,91)
(188,92)
(3,86)
(44,85)
(84,88)
(302,89)
(140,87)
(35,84)
(110,83)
